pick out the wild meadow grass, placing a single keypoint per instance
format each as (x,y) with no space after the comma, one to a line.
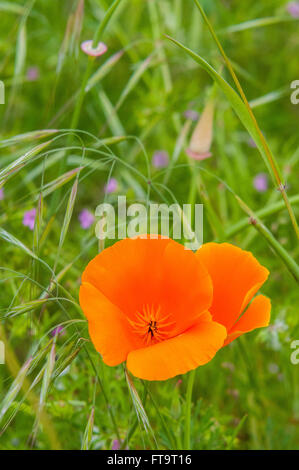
(71,123)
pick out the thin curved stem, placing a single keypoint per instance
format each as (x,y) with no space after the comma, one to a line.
(191,377)
(164,425)
(134,425)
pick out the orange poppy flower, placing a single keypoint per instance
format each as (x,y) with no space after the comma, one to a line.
(236,277)
(166,310)
(147,301)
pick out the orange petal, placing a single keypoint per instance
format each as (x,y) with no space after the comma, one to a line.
(236,277)
(257,315)
(159,272)
(108,327)
(125,272)
(186,287)
(178,355)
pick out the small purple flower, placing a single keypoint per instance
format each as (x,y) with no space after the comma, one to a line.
(273,368)
(33,74)
(1,194)
(160,159)
(29,218)
(115,445)
(260,182)
(86,218)
(293,9)
(192,115)
(58,331)
(111,186)
(87,48)
(251,143)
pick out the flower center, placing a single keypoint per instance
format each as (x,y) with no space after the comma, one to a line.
(151,325)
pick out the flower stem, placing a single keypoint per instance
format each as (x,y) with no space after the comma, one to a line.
(164,425)
(133,428)
(190,384)
(275,245)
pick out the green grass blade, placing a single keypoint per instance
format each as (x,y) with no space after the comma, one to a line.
(291,265)
(27,137)
(139,409)
(257,23)
(269,210)
(105,21)
(103,70)
(88,432)
(17,164)
(12,8)
(15,388)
